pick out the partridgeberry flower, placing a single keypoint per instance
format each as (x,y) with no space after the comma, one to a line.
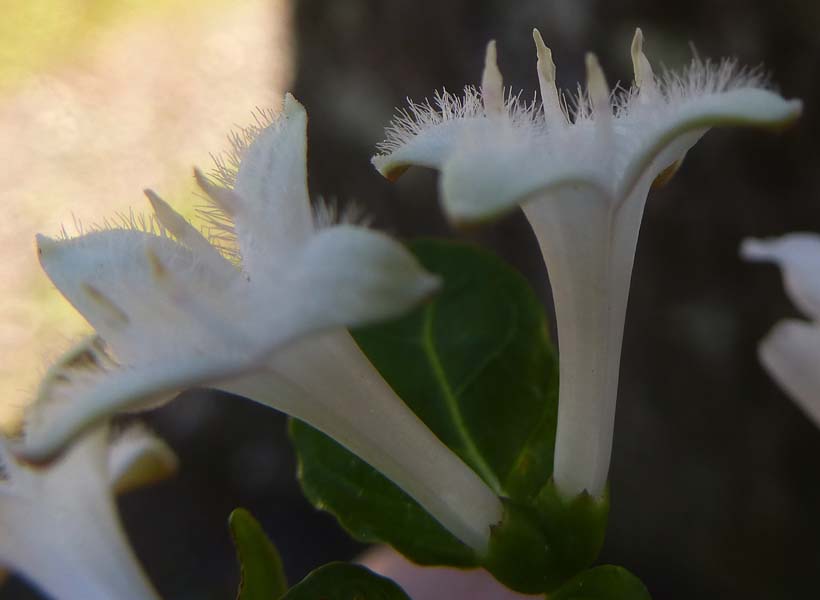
(791,350)
(582,177)
(60,527)
(258,308)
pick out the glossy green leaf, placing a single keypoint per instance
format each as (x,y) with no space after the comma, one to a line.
(263,577)
(343,581)
(477,366)
(333,479)
(606,582)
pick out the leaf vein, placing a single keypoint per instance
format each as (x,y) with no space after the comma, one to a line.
(469,447)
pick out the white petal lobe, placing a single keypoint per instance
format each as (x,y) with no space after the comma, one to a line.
(274,215)
(798,256)
(791,355)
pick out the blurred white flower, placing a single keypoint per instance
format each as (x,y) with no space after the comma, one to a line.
(791,350)
(260,310)
(60,527)
(582,177)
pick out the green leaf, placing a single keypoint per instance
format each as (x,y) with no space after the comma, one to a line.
(263,577)
(606,582)
(476,365)
(333,479)
(343,581)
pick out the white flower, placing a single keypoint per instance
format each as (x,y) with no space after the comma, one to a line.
(791,350)
(582,178)
(175,312)
(60,527)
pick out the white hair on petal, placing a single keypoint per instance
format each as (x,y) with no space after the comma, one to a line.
(699,77)
(329,212)
(226,164)
(419,116)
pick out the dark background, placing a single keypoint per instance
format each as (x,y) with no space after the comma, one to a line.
(715,472)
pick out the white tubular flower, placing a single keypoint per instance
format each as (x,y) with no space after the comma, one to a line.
(582,178)
(60,528)
(268,321)
(791,350)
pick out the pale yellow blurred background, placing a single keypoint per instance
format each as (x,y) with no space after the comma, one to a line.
(98,100)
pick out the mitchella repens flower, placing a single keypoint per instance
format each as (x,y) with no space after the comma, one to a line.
(60,525)
(175,311)
(791,350)
(582,178)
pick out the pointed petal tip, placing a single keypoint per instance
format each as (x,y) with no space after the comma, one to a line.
(292,108)
(157,203)
(755,250)
(44,244)
(795,107)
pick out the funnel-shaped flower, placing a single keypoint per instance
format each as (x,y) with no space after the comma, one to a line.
(791,350)
(60,528)
(175,311)
(582,180)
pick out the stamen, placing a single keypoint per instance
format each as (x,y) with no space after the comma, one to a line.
(550,99)
(492,83)
(597,87)
(598,92)
(644,77)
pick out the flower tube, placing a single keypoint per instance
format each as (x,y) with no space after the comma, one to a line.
(60,525)
(581,177)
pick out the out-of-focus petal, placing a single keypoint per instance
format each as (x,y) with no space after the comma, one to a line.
(791,355)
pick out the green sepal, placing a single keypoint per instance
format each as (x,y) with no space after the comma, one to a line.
(539,545)
(262,575)
(606,582)
(576,527)
(519,556)
(343,581)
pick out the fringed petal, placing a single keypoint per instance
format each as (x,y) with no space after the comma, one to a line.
(655,139)
(273,216)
